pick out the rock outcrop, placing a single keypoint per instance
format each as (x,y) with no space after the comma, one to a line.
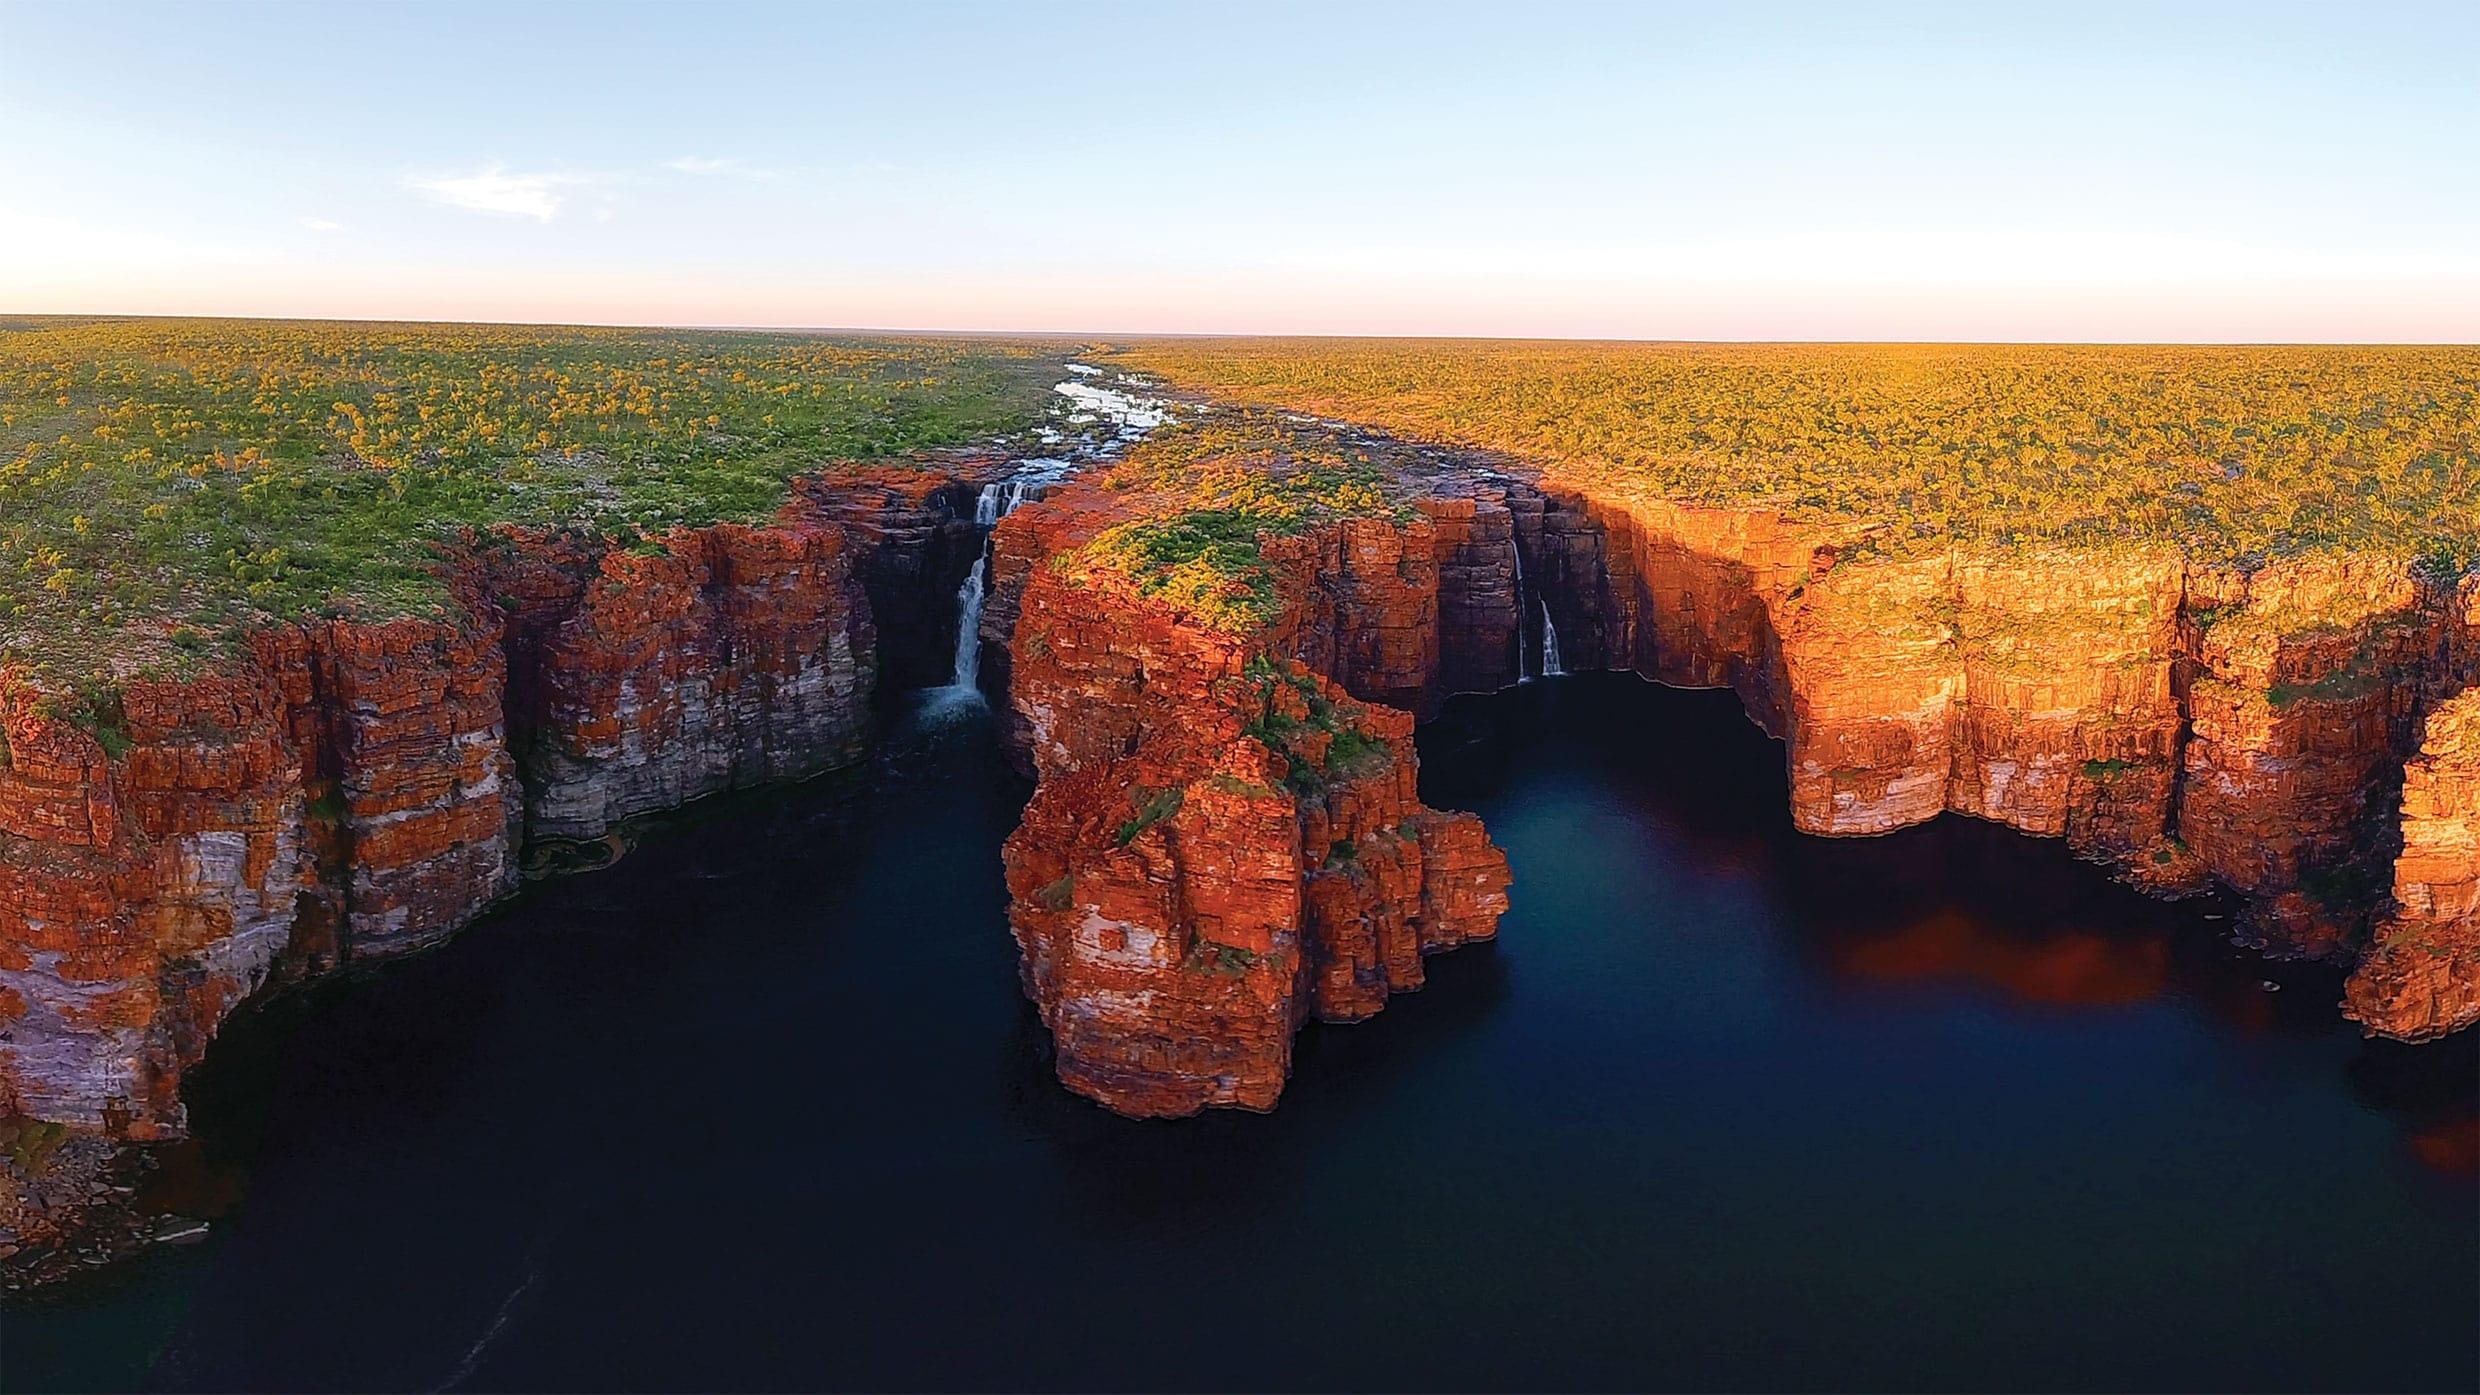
(731,657)
(2420,978)
(348,790)
(2188,724)
(1226,839)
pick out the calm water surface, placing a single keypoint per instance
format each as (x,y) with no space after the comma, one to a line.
(1726,1108)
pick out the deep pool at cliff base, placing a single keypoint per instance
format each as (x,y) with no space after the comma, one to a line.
(1725,1107)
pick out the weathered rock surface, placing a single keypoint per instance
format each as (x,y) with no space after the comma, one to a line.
(735,657)
(350,790)
(915,538)
(1224,842)
(2186,723)
(1226,839)
(2421,975)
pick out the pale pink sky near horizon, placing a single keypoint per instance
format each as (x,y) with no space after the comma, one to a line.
(2194,173)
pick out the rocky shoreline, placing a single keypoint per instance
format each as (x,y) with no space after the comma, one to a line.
(1226,838)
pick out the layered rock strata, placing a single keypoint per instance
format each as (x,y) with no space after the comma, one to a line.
(351,790)
(1225,842)
(2420,978)
(2190,724)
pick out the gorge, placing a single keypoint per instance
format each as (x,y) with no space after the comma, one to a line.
(1226,839)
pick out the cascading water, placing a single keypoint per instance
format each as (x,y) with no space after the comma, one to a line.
(1550,666)
(1524,673)
(1129,418)
(988,507)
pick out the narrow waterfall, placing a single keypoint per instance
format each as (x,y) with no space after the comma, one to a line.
(993,502)
(1550,666)
(1524,672)
(969,627)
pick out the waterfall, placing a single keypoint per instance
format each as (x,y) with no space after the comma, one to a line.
(1550,666)
(1523,674)
(994,500)
(969,627)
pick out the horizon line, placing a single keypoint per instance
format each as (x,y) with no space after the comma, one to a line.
(1075,334)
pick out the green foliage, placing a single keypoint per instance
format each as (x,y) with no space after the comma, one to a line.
(329,808)
(163,482)
(30,1143)
(1152,808)
(1209,957)
(1208,495)
(2347,887)
(93,706)
(1205,561)
(1058,895)
(1350,749)
(2232,454)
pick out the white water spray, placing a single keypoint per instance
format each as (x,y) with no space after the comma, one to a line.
(1550,666)
(988,507)
(1129,417)
(1524,674)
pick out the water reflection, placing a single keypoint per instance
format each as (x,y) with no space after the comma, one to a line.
(762,1106)
(2068,968)
(1911,919)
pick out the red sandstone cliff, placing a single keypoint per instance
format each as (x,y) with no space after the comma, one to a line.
(2183,722)
(350,790)
(2421,976)
(1224,842)
(1227,838)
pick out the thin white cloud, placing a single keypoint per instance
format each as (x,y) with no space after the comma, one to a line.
(730,164)
(322,225)
(495,189)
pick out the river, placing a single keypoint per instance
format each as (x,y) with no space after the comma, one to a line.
(761,1106)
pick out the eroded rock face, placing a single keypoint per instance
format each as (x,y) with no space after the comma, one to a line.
(348,791)
(2421,976)
(914,538)
(737,657)
(1225,842)
(2184,723)
(142,897)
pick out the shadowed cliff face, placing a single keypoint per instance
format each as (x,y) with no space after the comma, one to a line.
(2190,726)
(350,791)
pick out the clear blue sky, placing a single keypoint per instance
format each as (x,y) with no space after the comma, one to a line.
(2244,171)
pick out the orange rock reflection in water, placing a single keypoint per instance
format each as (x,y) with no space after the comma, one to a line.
(2452,1147)
(2060,969)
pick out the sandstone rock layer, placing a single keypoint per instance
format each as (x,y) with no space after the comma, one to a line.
(350,790)
(1226,839)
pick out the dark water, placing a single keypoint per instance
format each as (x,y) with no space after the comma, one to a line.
(1726,1107)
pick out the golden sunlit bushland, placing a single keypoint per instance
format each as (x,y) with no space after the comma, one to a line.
(2235,454)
